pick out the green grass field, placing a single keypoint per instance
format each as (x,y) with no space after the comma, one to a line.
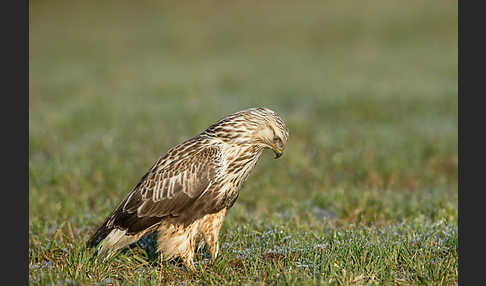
(366,193)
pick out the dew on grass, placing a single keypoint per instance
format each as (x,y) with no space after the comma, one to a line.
(46,264)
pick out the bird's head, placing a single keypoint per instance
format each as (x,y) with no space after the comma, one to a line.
(272,133)
(259,127)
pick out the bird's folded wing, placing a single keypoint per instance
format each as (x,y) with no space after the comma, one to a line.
(170,188)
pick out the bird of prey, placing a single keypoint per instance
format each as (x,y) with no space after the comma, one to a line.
(187,193)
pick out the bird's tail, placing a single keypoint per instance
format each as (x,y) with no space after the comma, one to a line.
(108,239)
(100,234)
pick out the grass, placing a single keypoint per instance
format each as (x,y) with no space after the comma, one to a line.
(366,193)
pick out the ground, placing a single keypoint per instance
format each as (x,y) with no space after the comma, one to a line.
(366,192)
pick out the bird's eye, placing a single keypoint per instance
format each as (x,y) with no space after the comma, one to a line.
(277,141)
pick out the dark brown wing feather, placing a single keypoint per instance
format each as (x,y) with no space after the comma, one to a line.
(166,190)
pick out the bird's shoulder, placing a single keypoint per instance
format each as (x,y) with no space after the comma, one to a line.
(196,150)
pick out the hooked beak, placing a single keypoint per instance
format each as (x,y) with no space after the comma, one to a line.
(278,152)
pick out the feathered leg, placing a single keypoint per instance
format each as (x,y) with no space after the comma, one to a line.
(175,240)
(210,226)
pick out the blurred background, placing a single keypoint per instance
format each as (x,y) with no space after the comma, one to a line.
(368,90)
